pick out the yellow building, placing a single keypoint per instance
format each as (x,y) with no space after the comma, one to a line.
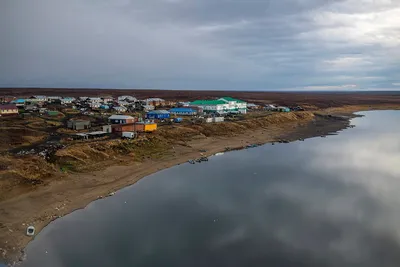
(150,127)
(8,110)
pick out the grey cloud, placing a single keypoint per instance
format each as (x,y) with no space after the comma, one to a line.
(192,44)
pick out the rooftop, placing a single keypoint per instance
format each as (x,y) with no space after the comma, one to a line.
(207,102)
(8,106)
(228,98)
(158,112)
(121,117)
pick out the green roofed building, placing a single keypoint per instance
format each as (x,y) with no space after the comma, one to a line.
(222,105)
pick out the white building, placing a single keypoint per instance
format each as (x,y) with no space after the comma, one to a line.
(127,98)
(95,100)
(235,105)
(94,105)
(120,109)
(37,98)
(222,105)
(107,99)
(67,100)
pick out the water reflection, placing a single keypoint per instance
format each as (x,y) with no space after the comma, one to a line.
(324,202)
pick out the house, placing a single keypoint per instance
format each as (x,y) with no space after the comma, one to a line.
(6,99)
(107,99)
(31,107)
(52,99)
(183,104)
(120,109)
(148,108)
(104,107)
(123,103)
(37,98)
(154,101)
(19,102)
(95,100)
(78,124)
(94,105)
(127,98)
(83,98)
(67,100)
(158,114)
(135,127)
(235,105)
(270,107)
(183,111)
(121,119)
(212,106)
(8,110)
(252,106)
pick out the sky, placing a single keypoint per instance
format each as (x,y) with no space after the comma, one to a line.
(201,44)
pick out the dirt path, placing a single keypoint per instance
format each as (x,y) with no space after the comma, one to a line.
(61,197)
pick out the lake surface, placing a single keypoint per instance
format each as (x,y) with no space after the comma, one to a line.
(331,201)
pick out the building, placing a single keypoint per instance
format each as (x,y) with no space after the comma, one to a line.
(104,107)
(94,105)
(78,124)
(31,107)
(67,100)
(148,108)
(19,102)
(53,98)
(215,119)
(283,109)
(97,100)
(134,127)
(37,98)
(7,99)
(235,105)
(155,101)
(120,109)
(252,106)
(121,119)
(107,99)
(8,110)
(183,111)
(212,106)
(127,98)
(158,114)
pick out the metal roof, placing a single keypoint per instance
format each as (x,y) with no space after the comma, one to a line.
(121,117)
(8,106)
(228,98)
(158,112)
(207,102)
(182,110)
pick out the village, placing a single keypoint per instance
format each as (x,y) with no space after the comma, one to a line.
(53,122)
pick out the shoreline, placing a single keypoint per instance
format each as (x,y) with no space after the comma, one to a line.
(60,198)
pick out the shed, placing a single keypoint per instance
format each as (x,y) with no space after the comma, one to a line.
(158,114)
(183,111)
(78,124)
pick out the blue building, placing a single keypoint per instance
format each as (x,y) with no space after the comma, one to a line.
(19,102)
(183,111)
(157,115)
(105,107)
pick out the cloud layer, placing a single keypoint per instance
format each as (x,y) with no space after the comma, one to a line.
(208,44)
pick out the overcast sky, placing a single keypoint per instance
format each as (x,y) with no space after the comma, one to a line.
(201,44)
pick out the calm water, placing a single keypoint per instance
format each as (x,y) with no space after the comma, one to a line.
(324,202)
